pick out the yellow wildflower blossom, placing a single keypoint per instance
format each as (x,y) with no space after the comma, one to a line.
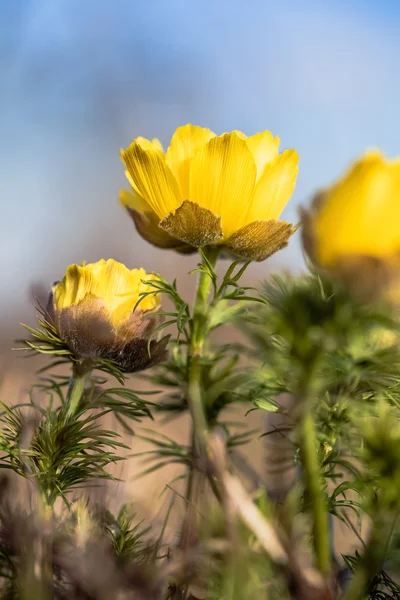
(210,190)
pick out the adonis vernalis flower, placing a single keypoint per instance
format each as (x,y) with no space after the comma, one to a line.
(209,190)
(92,308)
(353,227)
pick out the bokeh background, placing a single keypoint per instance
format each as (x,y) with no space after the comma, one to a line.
(79,79)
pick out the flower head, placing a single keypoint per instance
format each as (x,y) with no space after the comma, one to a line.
(92,308)
(208,190)
(353,227)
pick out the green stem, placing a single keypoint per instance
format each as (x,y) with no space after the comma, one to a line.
(312,484)
(80,375)
(199,440)
(198,333)
(373,559)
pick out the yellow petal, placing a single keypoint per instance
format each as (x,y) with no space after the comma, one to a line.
(127,295)
(275,187)
(152,179)
(240,134)
(361,213)
(131,199)
(184,144)
(113,283)
(119,288)
(222,179)
(77,282)
(153,144)
(264,148)
(129,178)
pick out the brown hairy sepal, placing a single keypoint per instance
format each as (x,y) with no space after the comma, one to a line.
(87,330)
(194,225)
(370,279)
(260,239)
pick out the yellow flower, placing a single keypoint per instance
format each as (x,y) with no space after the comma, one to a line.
(209,190)
(353,227)
(92,308)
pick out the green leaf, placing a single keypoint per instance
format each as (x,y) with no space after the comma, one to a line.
(266,404)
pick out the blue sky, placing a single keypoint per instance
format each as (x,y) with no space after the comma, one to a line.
(80,79)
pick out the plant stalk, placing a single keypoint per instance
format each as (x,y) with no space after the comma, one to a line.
(81,372)
(312,484)
(199,438)
(197,339)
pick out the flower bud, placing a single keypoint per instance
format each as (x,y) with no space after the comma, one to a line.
(353,228)
(93,310)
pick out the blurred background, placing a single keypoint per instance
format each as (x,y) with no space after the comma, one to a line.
(80,79)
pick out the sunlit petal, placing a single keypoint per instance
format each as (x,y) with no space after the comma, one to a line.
(184,144)
(222,179)
(264,148)
(152,178)
(275,187)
